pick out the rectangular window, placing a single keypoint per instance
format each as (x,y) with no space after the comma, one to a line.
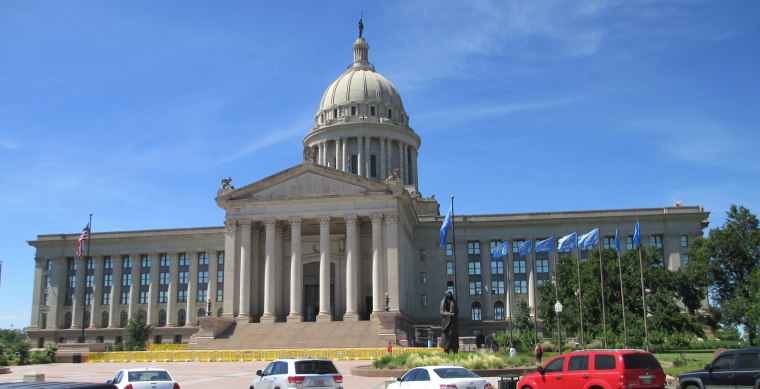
(183,259)
(90,280)
(68,299)
(126,262)
(423,277)
(684,241)
(71,264)
(203,277)
(473,248)
(47,281)
(90,264)
(354,164)
(164,278)
(162,296)
(88,298)
(516,246)
(473,268)
(125,297)
(497,287)
(373,166)
(475,288)
(449,249)
(220,276)
(519,266)
(542,266)
(144,297)
(48,264)
(449,267)
(629,243)
(106,298)
(108,263)
(521,287)
(202,296)
(203,259)
(656,241)
(181,296)
(220,258)
(450,286)
(165,262)
(72,281)
(423,300)
(126,279)
(45,298)
(423,255)
(220,295)
(145,279)
(353,111)
(145,261)
(609,242)
(183,277)
(371,111)
(497,266)
(684,261)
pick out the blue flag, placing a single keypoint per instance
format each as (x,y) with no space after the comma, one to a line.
(617,241)
(545,245)
(637,234)
(500,250)
(567,242)
(445,226)
(526,247)
(590,239)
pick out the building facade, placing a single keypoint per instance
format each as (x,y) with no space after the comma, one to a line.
(343,236)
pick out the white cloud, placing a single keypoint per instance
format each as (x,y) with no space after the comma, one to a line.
(272,137)
(9,145)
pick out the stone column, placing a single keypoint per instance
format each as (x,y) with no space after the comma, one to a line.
(377,265)
(389,158)
(367,159)
(405,165)
(485,271)
(255,279)
(155,261)
(296,269)
(97,290)
(352,269)
(244,307)
(337,153)
(134,289)
(228,307)
(414,171)
(78,304)
(269,273)
(57,287)
(344,156)
(324,269)
(113,310)
(171,300)
(401,161)
(213,264)
(393,250)
(383,171)
(39,287)
(359,155)
(192,289)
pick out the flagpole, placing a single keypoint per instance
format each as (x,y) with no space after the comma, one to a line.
(84,293)
(509,293)
(622,290)
(535,307)
(580,289)
(643,293)
(556,292)
(454,249)
(601,277)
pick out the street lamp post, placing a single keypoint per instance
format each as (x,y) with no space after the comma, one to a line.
(558,309)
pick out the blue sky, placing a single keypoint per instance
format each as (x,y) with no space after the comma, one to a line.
(135,110)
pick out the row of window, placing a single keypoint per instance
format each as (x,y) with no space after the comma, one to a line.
(124,317)
(144,297)
(145,261)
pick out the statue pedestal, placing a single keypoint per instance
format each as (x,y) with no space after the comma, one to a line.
(212,326)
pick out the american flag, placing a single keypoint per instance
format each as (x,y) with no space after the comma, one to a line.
(82,239)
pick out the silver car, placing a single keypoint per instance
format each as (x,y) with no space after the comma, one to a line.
(297,373)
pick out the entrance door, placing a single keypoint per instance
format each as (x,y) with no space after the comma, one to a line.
(311,291)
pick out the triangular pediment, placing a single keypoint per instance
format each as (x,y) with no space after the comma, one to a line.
(305,181)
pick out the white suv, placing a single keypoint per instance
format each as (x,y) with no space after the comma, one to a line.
(298,373)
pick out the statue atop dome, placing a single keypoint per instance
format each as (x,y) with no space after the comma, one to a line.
(361,26)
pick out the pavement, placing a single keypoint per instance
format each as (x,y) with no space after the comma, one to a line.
(218,375)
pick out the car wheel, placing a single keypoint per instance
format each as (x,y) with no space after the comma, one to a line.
(691,386)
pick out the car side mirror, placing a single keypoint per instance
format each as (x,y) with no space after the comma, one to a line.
(109,382)
(708,367)
(398,379)
(540,369)
(259,373)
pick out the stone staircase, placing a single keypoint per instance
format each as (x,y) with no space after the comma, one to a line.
(304,335)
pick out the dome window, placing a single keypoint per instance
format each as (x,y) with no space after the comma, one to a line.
(335,113)
(371,111)
(353,111)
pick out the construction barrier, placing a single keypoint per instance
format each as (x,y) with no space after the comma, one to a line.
(251,355)
(167,347)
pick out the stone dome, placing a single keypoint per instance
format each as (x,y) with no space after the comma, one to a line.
(360,93)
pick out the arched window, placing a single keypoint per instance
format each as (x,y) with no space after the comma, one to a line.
(219,312)
(476,311)
(67,320)
(86,319)
(201,312)
(123,319)
(162,318)
(498,310)
(181,318)
(104,319)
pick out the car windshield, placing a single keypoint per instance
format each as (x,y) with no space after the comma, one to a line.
(454,372)
(315,367)
(640,361)
(149,375)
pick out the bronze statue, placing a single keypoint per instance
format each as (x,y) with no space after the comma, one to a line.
(226,183)
(449,323)
(361,27)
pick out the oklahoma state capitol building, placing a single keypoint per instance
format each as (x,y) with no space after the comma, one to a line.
(345,236)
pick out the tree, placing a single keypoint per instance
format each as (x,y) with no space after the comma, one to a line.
(731,256)
(138,332)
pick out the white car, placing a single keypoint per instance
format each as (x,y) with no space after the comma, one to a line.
(144,378)
(297,373)
(443,377)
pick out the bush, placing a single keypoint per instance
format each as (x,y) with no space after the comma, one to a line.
(477,360)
